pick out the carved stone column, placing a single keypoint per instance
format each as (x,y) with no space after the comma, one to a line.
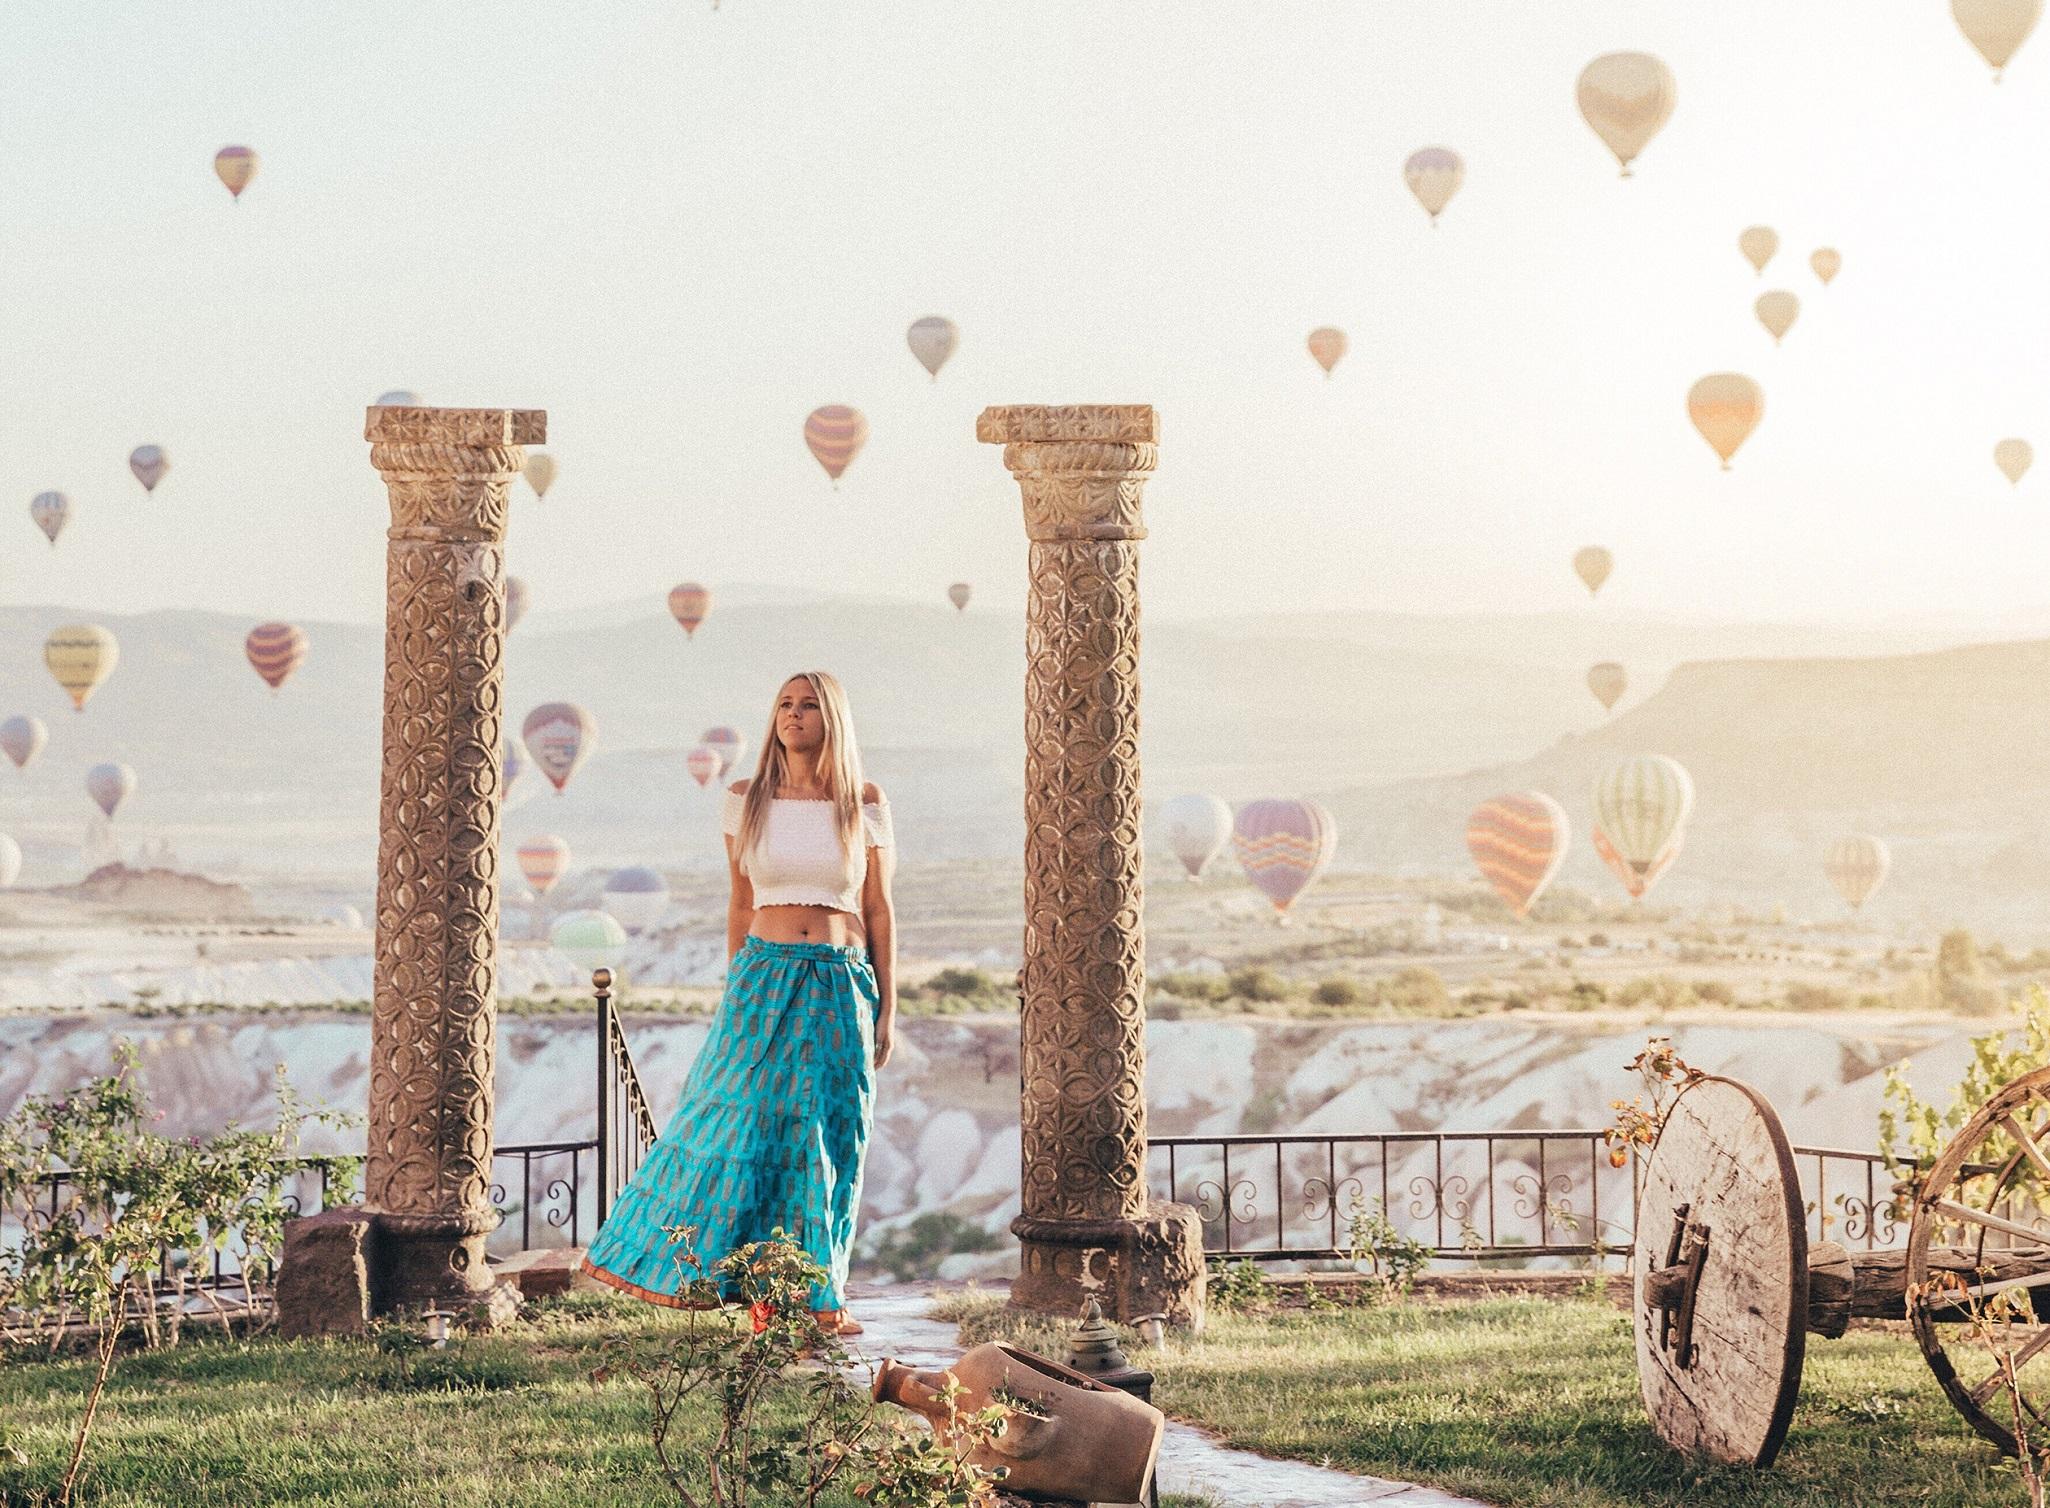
(434,1018)
(1087,1224)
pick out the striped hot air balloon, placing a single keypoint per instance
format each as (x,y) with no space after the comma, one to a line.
(1642,804)
(560,736)
(1327,346)
(1283,846)
(543,861)
(22,739)
(50,510)
(1433,175)
(725,743)
(81,656)
(149,463)
(1639,885)
(276,650)
(109,785)
(592,940)
(1519,842)
(235,166)
(688,604)
(835,434)
(1857,866)
(1198,827)
(703,764)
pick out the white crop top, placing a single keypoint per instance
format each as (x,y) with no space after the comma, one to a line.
(797,859)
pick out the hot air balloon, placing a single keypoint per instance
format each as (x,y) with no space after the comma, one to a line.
(342,914)
(637,897)
(1626,97)
(22,739)
(81,657)
(1433,175)
(235,166)
(1857,866)
(1592,565)
(1283,846)
(559,735)
(1996,27)
(958,594)
(1777,310)
(688,604)
(2014,457)
(1519,842)
(512,763)
(1638,885)
(109,785)
(725,743)
(1327,346)
(932,341)
(515,602)
(50,510)
(1641,804)
(703,763)
(1725,407)
(1827,262)
(542,861)
(1758,243)
(1607,681)
(539,471)
(398,397)
(590,939)
(149,463)
(1198,827)
(835,434)
(10,862)
(275,650)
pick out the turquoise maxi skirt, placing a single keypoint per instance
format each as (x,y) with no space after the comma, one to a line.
(771,1131)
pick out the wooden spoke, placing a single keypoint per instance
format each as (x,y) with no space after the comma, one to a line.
(1958,1211)
(2027,1143)
(2030,1349)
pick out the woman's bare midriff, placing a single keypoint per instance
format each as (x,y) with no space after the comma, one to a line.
(812,924)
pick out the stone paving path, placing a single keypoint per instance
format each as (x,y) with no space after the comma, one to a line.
(1190,1460)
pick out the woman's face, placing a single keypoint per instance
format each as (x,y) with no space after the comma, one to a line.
(800,722)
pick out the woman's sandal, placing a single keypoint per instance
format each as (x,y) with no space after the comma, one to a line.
(836,1322)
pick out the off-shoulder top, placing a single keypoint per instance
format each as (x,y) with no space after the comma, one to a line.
(797,858)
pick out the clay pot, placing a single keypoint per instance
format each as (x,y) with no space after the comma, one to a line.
(1093,1443)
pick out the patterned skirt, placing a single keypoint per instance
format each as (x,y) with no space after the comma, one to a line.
(771,1131)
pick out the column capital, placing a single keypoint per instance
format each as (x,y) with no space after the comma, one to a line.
(1081,466)
(433,460)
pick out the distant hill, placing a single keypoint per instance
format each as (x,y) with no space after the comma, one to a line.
(1943,754)
(250,785)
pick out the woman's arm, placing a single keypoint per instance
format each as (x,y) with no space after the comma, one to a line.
(879,922)
(740,900)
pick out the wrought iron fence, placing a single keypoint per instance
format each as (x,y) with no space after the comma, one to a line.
(626,1123)
(1484,1196)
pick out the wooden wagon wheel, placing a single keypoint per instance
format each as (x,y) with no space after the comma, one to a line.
(1982,1226)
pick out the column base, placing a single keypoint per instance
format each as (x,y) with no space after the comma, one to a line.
(1151,1265)
(437,1262)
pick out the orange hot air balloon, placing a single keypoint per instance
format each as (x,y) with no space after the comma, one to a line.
(835,434)
(275,650)
(1725,407)
(235,166)
(1327,346)
(542,861)
(1519,842)
(688,604)
(1637,884)
(1607,681)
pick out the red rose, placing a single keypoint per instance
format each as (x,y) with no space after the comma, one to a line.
(761,1311)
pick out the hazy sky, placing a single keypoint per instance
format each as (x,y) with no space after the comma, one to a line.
(679,230)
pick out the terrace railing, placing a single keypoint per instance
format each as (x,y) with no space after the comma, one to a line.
(1481,1196)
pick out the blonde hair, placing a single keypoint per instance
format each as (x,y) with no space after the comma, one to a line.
(839,766)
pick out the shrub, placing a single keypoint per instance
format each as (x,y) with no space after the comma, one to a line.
(1337,990)
(1236,1285)
(915,1250)
(1194,986)
(1714,992)
(1418,988)
(1258,984)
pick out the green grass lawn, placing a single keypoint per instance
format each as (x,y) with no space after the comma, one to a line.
(1532,1403)
(512,1421)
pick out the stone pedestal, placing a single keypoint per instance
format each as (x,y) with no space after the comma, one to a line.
(1087,1225)
(324,1274)
(434,1012)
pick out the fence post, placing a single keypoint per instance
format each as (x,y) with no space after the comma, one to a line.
(601,986)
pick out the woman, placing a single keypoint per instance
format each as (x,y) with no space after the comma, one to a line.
(775,1116)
